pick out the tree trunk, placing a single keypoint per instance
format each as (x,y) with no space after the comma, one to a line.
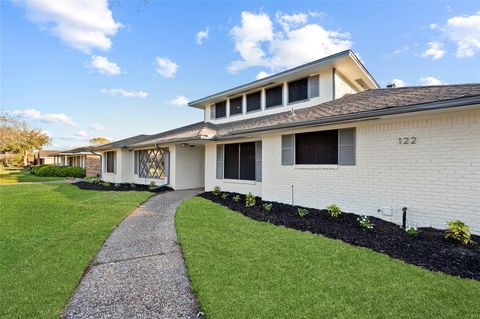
(25,159)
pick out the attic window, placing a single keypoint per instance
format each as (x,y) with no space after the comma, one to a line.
(298,90)
(220,109)
(236,105)
(274,96)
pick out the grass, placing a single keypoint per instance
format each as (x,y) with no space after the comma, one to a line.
(19,175)
(241,268)
(48,235)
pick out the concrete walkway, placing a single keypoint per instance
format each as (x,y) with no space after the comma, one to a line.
(139,272)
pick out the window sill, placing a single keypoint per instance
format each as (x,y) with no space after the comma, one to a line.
(298,102)
(110,174)
(317,166)
(273,106)
(239,181)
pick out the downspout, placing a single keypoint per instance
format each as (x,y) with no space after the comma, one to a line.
(101,161)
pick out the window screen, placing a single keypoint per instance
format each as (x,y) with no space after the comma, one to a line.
(253,102)
(220,109)
(314,86)
(236,105)
(298,90)
(231,161)
(317,147)
(240,161)
(110,159)
(274,96)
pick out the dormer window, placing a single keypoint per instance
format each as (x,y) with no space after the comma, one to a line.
(274,96)
(236,105)
(254,101)
(220,109)
(298,90)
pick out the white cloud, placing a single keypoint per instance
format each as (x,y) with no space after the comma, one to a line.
(125,93)
(262,74)
(465,32)
(261,43)
(430,80)
(179,100)
(399,83)
(166,67)
(96,127)
(434,49)
(81,133)
(103,66)
(202,35)
(36,115)
(82,25)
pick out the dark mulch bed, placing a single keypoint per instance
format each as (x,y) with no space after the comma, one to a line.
(120,187)
(428,249)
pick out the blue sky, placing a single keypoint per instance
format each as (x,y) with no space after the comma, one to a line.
(84,69)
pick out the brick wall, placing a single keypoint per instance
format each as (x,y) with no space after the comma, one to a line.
(437,179)
(92,165)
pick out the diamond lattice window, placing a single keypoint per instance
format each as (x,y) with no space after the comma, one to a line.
(152,163)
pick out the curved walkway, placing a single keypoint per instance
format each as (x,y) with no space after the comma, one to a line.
(139,272)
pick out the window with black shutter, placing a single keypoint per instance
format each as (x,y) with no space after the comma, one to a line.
(240,161)
(274,96)
(298,90)
(317,147)
(110,162)
(236,105)
(254,101)
(220,109)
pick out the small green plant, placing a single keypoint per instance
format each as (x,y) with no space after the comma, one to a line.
(216,191)
(117,185)
(236,198)
(302,212)
(459,231)
(224,196)
(152,185)
(92,179)
(105,184)
(412,231)
(365,222)
(333,210)
(250,200)
(267,206)
(133,186)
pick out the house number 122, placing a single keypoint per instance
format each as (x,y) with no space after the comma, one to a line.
(407,140)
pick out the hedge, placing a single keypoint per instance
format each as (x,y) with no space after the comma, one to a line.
(34,169)
(61,171)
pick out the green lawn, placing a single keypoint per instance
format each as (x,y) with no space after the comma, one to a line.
(240,268)
(18,175)
(48,235)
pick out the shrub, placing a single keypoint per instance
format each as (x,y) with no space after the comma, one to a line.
(459,231)
(132,185)
(236,198)
(365,222)
(72,171)
(34,169)
(105,184)
(412,231)
(302,212)
(334,210)
(224,196)
(152,185)
(267,206)
(48,171)
(92,179)
(216,191)
(117,185)
(250,200)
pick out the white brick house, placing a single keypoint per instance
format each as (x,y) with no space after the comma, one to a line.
(325,133)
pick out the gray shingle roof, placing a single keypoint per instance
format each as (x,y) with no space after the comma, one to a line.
(355,106)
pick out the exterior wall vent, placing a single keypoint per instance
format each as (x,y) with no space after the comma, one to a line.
(362,83)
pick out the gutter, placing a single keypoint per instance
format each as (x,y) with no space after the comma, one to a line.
(365,115)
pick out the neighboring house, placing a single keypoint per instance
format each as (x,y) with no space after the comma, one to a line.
(43,157)
(80,157)
(324,133)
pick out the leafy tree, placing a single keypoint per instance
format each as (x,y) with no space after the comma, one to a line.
(99,140)
(18,138)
